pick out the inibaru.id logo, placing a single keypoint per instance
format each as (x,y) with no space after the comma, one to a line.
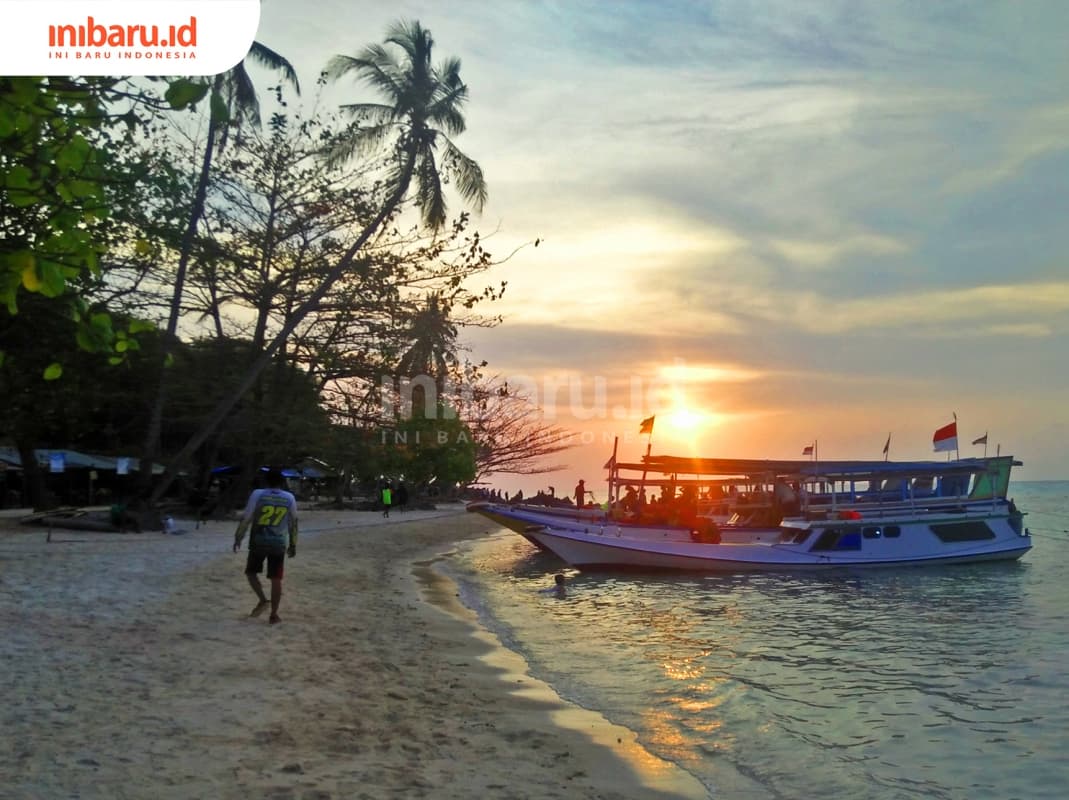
(87,37)
(94,34)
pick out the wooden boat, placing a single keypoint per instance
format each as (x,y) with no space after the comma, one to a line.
(869,514)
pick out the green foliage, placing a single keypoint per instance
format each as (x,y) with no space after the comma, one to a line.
(429,450)
(72,181)
(435,448)
(184,92)
(280,422)
(52,178)
(95,230)
(59,395)
(70,190)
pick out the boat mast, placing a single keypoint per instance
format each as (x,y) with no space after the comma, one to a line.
(613,473)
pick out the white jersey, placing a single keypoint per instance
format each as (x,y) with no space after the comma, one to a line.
(272,515)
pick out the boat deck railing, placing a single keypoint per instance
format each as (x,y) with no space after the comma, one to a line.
(875,509)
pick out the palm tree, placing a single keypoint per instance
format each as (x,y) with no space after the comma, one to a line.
(421,97)
(432,341)
(431,351)
(233,100)
(423,110)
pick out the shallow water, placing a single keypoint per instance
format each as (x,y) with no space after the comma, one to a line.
(946,682)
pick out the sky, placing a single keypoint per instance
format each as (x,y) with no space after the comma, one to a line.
(765,224)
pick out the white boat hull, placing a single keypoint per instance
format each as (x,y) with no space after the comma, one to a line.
(917,545)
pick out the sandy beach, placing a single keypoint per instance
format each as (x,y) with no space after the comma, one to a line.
(132,670)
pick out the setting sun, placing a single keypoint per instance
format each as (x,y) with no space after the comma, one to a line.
(685,419)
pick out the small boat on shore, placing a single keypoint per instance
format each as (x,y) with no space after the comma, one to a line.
(851,514)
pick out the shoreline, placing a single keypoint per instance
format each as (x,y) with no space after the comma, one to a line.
(654,776)
(135,672)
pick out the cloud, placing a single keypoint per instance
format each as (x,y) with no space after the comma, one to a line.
(826,253)
(1032,135)
(860,203)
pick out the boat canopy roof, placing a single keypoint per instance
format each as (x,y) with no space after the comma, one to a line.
(824,470)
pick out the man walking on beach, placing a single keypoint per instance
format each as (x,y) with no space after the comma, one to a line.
(272,515)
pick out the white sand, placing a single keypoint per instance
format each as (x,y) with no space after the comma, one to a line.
(131,670)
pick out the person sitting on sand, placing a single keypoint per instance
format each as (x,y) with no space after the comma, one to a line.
(123,519)
(272,515)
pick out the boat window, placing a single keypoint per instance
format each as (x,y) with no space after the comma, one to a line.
(849,541)
(872,532)
(892,531)
(923,486)
(954,485)
(972,531)
(838,539)
(827,539)
(793,535)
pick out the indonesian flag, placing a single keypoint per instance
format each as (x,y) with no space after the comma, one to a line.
(807,450)
(981,440)
(946,438)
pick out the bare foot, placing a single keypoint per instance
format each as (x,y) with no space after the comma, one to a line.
(274,619)
(261,607)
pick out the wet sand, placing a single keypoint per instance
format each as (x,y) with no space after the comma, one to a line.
(132,670)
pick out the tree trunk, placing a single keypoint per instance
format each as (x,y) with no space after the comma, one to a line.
(252,373)
(33,479)
(151,447)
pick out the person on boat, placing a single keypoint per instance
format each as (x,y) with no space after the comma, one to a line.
(580,493)
(630,501)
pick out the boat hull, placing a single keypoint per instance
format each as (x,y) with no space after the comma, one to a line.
(521,518)
(607,552)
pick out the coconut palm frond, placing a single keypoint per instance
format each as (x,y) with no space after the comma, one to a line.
(363,141)
(414,39)
(466,173)
(266,57)
(375,66)
(429,194)
(244,104)
(371,113)
(448,117)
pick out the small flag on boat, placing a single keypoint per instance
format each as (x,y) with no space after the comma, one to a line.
(887,445)
(946,438)
(807,450)
(981,440)
(647,425)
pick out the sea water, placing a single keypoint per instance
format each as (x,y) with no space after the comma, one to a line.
(934,682)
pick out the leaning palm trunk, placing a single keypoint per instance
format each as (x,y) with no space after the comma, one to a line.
(234,91)
(224,407)
(421,97)
(150,449)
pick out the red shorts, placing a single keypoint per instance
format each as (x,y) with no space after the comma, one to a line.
(275,562)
